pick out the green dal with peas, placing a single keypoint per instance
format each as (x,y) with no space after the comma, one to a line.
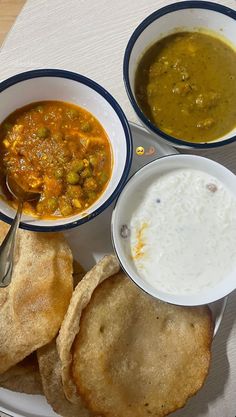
(60,150)
(186,85)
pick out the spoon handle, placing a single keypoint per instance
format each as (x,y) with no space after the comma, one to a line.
(7,249)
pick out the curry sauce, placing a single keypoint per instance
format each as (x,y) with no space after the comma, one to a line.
(186,85)
(58,149)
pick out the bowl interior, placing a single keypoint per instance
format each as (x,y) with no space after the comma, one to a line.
(69,90)
(131,197)
(189,19)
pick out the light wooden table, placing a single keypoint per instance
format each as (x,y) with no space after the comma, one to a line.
(9,9)
(90,37)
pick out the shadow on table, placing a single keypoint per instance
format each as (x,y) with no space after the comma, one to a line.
(219,372)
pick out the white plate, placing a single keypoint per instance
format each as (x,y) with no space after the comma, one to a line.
(89,243)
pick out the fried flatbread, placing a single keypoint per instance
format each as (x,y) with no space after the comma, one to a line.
(108,266)
(33,306)
(23,377)
(78,272)
(135,356)
(50,370)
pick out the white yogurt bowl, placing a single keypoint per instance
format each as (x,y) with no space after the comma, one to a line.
(53,84)
(134,196)
(177,17)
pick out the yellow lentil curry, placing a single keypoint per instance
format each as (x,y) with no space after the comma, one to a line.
(186,85)
(58,149)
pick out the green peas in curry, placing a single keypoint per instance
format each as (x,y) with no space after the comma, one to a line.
(186,85)
(60,150)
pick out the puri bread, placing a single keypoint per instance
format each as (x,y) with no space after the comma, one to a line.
(23,377)
(135,356)
(108,266)
(33,306)
(50,370)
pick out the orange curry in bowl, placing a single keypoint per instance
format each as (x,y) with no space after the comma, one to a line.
(58,149)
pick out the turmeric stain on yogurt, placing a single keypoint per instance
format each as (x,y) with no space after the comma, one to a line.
(138,250)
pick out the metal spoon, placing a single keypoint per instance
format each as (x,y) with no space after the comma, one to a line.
(8,245)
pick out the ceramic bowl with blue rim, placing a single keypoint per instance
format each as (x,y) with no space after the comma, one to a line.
(135,236)
(60,85)
(183,16)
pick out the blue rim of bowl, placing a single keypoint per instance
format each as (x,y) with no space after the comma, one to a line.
(125,125)
(196,4)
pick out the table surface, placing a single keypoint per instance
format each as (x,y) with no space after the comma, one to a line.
(90,37)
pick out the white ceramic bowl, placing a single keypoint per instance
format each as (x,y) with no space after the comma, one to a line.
(53,84)
(182,16)
(131,197)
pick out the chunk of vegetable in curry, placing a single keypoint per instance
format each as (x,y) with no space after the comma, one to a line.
(186,85)
(60,150)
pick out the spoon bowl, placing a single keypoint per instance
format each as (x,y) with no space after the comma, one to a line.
(19,192)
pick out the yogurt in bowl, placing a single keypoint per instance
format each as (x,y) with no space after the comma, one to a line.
(174,229)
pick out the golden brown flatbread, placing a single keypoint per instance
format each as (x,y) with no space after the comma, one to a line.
(23,377)
(33,306)
(135,356)
(108,266)
(50,370)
